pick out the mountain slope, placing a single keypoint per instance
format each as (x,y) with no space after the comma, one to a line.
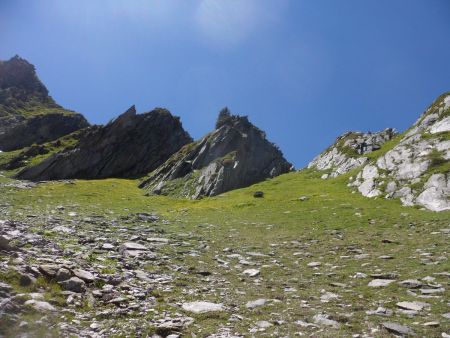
(26,109)
(235,155)
(417,169)
(129,146)
(350,151)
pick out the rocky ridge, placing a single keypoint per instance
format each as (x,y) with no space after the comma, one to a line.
(235,155)
(417,169)
(26,108)
(129,146)
(348,151)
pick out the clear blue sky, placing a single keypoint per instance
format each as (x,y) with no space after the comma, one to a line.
(303,70)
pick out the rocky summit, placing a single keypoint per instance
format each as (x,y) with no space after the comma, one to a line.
(129,146)
(26,109)
(235,155)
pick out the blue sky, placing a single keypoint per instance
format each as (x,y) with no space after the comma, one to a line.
(305,71)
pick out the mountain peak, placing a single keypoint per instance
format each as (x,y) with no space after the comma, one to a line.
(20,86)
(235,155)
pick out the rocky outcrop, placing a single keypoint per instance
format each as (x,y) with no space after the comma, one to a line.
(235,155)
(27,110)
(40,129)
(348,152)
(130,146)
(417,169)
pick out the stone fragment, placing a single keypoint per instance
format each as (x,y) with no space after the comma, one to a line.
(49,270)
(74,284)
(84,275)
(411,283)
(380,282)
(256,303)
(413,306)
(251,272)
(323,319)
(63,274)
(202,307)
(131,246)
(40,306)
(398,329)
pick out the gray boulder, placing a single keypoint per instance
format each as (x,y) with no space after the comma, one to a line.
(235,155)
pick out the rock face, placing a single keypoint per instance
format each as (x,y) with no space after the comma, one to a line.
(235,155)
(417,169)
(348,152)
(129,146)
(27,110)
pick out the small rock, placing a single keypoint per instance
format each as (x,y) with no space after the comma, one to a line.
(328,296)
(74,284)
(202,307)
(63,274)
(256,303)
(323,319)
(107,246)
(84,275)
(251,272)
(431,291)
(381,311)
(49,270)
(414,306)
(314,264)
(40,305)
(411,283)
(398,329)
(431,324)
(4,245)
(263,324)
(380,282)
(133,246)
(258,194)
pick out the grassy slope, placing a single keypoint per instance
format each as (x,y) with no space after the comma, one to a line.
(326,226)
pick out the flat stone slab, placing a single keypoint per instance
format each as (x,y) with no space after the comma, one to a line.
(398,329)
(202,307)
(376,283)
(158,240)
(84,275)
(251,272)
(40,305)
(131,246)
(414,306)
(107,246)
(411,283)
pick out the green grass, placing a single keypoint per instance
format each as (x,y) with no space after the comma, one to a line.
(327,226)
